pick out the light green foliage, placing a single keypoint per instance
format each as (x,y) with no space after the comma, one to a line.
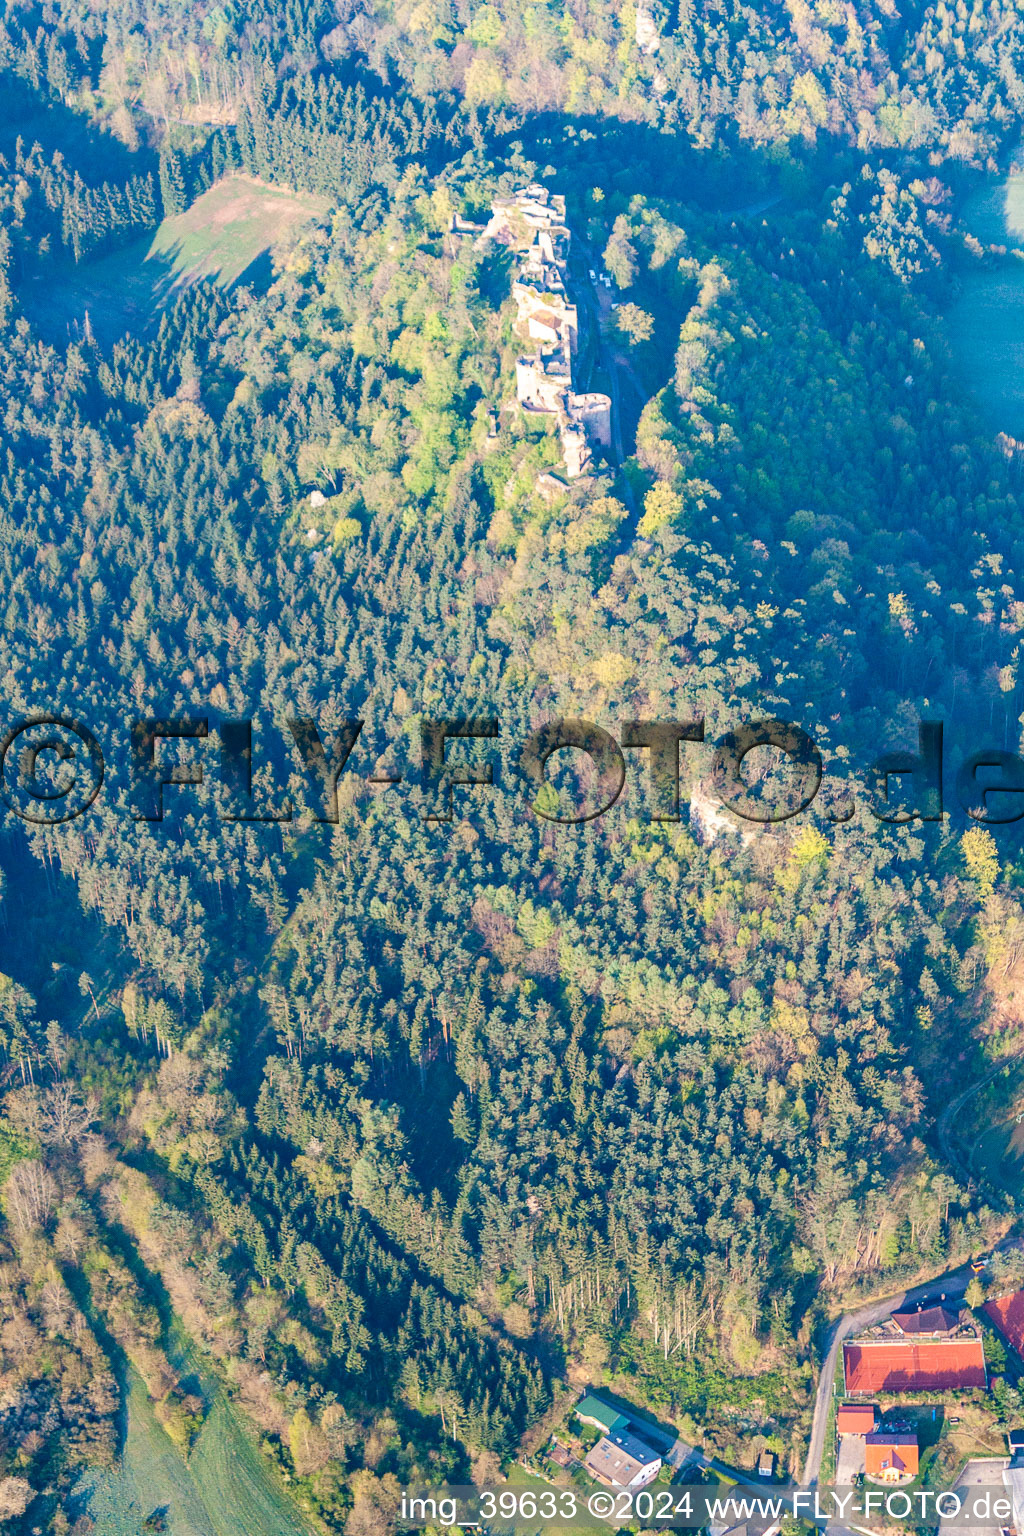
(536,926)
(485,28)
(981,859)
(346,529)
(13,1148)
(634,323)
(661,505)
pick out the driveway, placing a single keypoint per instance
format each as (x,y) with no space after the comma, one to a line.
(985,1472)
(850,1460)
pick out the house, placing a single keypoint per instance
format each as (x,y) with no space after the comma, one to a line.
(560,1454)
(890,1457)
(544,325)
(766,1464)
(1015,1441)
(856,1418)
(907,1365)
(595,1411)
(935,1321)
(622,1460)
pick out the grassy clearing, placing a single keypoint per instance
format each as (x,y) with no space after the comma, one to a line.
(986,329)
(225,1488)
(995,214)
(229,228)
(986,324)
(227,234)
(999,1155)
(151,1475)
(946,1446)
(239,1487)
(992,1142)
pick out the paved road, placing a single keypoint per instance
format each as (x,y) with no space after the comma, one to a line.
(952,1284)
(681,1453)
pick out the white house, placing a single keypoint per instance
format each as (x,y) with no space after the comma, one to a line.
(623,1460)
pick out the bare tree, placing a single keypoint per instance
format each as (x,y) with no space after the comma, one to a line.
(31,1195)
(15,1497)
(64,1118)
(85,987)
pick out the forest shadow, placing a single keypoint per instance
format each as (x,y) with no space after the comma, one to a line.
(55,126)
(122,293)
(118,1361)
(653,162)
(41,916)
(257,276)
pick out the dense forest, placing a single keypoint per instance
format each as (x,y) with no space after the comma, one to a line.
(410,1122)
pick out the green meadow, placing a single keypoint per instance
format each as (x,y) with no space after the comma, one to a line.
(227,229)
(226,1486)
(227,234)
(986,323)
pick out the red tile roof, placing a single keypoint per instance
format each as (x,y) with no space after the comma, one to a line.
(901,1365)
(1007,1312)
(897,1453)
(855,1418)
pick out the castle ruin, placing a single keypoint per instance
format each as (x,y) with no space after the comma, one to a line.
(532,223)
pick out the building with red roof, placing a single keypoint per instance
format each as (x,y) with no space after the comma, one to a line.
(890,1458)
(912,1365)
(1007,1313)
(856,1418)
